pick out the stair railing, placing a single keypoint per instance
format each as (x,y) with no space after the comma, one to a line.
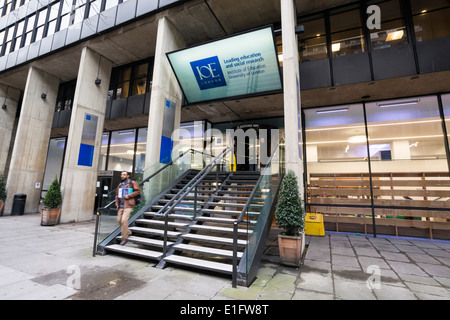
(193,183)
(269,180)
(141,184)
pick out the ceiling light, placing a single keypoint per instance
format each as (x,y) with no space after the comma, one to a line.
(395,35)
(280,57)
(399,104)
(357,139)
(336,47)
(332,111)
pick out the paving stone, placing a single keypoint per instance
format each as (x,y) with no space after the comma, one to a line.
(433,290)
(301,294)
(345,261)
(394,256)
(352,290)
(388,292)
(369,261)
(435,270)
(316,282)
(407,268)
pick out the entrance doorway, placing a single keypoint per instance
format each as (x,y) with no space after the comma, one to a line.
(253,145)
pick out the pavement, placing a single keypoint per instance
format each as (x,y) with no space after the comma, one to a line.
(56,263)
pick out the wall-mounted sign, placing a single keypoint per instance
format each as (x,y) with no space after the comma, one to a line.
(237,66)
(86,155)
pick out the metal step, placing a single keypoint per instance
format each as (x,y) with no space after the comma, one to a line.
(219,240)
(156,232)
(231,212)
(222,220)
(219,229)
(199,263)
(189,202)
(172,215)
(149,254)
(161,223)
(207,251)
(147,241)
(223,204)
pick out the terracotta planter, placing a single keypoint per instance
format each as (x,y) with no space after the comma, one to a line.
(50,217)
(1,206)
(291,249)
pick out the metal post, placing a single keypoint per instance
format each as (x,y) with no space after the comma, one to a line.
(235,239)
(94,249)
(195,202)
(166,226)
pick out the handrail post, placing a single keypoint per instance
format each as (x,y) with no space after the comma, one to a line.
(94,249)
(235,240)
(166,226)
(195,202)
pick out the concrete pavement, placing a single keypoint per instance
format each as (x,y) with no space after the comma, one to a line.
(56,263)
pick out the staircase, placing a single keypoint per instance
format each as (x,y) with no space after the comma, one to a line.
(201,240)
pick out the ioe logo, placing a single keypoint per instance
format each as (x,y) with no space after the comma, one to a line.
(208,73)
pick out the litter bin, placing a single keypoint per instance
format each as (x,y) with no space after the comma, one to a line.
(19,204)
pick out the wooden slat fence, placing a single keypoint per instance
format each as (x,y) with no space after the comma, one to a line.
(405,204)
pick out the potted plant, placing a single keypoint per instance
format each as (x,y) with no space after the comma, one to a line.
(290,216)
(52,201)
(2,192)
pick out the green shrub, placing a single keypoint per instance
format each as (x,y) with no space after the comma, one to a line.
(53,197)
(2,188)
(290,213)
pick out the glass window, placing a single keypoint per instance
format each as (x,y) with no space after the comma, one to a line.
(19,33)
(103,152)
(141,149)
(393,30)
(111,3)
(66,94)
(409,163)
(29,30)
(42,16)
(94,7)
(54,161)
(313,43)
(338,182)
(446,105)
(406,129)
(346,33)
(139,85)
(123,83)
(121,154)
(431,19)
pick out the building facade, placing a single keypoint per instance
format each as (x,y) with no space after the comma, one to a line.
(84,85)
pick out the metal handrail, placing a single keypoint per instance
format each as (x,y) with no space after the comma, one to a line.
(241,217)
(99,210)
(184,192)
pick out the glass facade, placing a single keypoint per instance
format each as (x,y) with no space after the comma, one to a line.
(55,161)
(383,160)
(55,16)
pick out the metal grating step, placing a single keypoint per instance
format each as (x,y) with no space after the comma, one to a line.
(207,251)
(149,254)
(199,263)
(219,240)
(155,232)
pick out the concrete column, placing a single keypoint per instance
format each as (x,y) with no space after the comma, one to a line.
(32,139)
(10,98)
(164,87)
(291,82)
(79,178)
